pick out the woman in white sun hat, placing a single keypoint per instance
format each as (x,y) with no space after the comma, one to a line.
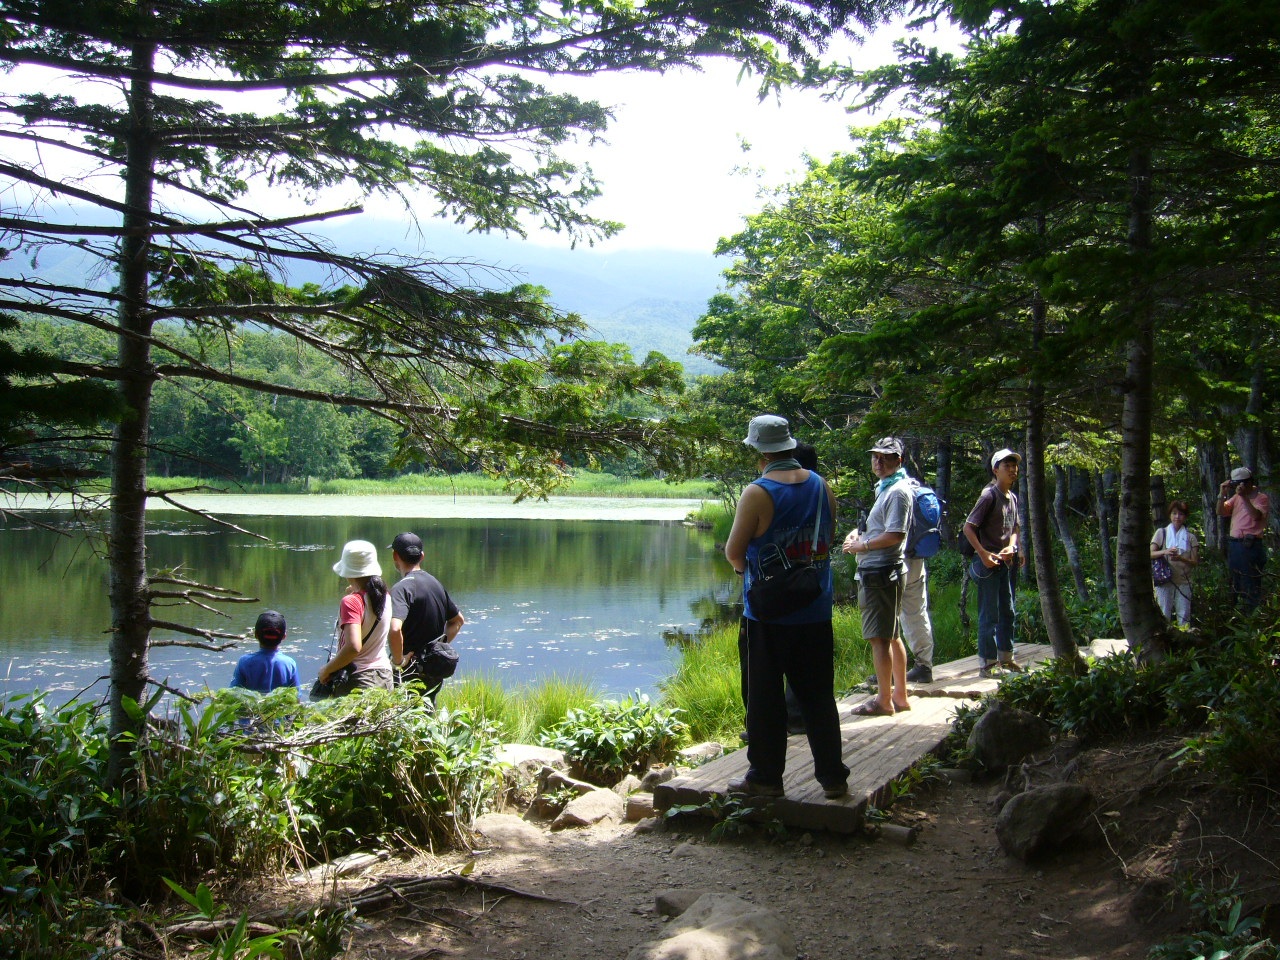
(364,621)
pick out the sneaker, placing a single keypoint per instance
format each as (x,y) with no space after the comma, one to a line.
(753,788)
(836,790)
(920,674)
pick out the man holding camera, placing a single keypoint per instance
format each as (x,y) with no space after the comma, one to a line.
(1250,510)
(421,612)
(992,531)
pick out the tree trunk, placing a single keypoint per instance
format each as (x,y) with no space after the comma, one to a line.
(1103,487)
(130,599)
(1159,502)
(1052,609)
(1032,569)
(1209,456)
(942,486)
(1065,533)
(1144,626)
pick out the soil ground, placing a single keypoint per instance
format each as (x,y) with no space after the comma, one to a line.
(953,893)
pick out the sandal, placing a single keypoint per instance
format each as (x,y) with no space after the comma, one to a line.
(901,708)
(871,708)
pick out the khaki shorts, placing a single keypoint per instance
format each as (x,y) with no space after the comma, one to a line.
(880,601)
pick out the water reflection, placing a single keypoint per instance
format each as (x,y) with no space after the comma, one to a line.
(594,599)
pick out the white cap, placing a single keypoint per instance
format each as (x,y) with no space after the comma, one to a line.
(1004,454)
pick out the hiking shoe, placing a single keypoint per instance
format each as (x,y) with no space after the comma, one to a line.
(753,788)
(920,674)
(987,671)
(836,790)
(1012,665)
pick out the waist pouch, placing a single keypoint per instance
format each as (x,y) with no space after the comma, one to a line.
(879,577)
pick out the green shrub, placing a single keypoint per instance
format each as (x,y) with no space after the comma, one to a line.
(607,740)
(55,826)
(413,777)
(523,713)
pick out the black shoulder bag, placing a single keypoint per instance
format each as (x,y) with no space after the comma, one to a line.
(782,586)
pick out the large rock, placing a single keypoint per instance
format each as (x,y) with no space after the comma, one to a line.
(527,760)
(1004,735)
(721,927)
(590,808)
(507,832)
(1040,821)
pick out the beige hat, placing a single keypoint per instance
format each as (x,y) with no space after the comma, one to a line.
(359,559)
(1241,473)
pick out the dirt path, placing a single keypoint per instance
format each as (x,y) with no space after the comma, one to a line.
(951,894)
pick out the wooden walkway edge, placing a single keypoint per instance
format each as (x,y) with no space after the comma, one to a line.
(877,750)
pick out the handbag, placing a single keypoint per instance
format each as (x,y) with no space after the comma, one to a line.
(783,586)
(337,684)
(436,661)
(1161,570)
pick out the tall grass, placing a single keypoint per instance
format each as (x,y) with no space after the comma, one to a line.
(584,484)
(520,713)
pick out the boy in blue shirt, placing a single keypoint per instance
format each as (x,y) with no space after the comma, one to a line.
(267,669)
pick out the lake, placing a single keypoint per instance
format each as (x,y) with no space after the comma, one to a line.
(605,590)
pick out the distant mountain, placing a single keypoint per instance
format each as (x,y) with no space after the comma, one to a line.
(647,299)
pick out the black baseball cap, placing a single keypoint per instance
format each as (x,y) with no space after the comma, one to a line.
(408,546)
(270,626)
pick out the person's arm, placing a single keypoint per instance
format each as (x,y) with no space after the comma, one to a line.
(988,558)
(349,640)
(747,525)
(1192,557)
(396,637)
(452,626)
(1157,544)
(1225,504)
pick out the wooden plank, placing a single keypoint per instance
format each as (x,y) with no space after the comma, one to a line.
(877,750)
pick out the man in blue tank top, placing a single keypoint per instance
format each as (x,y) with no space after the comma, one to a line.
(790,509)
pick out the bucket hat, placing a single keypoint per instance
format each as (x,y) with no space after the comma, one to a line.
(770,434)
(359,559)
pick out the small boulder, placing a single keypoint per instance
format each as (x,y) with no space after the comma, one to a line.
(1039,821)
(551,780)
(640,807)
(702,752)
(657,775)
(588,809)
(721,927)
(672,903)
(527,760)
(627,785)
(1005,735)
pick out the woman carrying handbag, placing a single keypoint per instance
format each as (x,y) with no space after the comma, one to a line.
(1180,549)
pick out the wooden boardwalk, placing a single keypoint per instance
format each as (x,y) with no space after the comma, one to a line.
(877,750)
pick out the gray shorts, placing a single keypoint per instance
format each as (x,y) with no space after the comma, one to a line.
(376,678)
(880,601)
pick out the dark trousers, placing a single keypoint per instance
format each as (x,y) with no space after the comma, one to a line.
(803,655)
(1245,559)
(795,719)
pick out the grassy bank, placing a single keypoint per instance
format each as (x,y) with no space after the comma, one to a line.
(705,686)
(584,484)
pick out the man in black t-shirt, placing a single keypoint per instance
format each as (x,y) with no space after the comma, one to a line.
(421,611)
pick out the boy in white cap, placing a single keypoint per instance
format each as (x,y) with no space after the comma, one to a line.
(992,530)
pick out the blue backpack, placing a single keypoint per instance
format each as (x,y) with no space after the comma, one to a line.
(925,537)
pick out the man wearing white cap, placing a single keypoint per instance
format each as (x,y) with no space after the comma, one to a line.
(789,510)
(992,530)
(882,573)
(1250,510)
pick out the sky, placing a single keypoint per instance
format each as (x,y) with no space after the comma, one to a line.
(674,169)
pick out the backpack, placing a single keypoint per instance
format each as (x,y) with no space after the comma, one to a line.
(925,537)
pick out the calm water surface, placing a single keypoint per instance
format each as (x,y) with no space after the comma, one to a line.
(595,598)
